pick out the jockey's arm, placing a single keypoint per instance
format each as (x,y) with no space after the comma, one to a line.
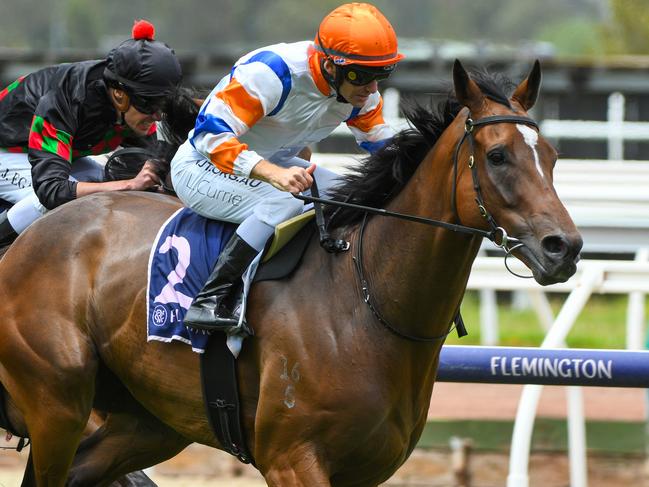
(369,127)
(229,113)
(50,154)
(145,179)
(50,179)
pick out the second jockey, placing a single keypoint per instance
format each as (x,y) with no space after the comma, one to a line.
(52,118)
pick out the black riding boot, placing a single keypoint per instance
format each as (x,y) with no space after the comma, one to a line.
(7,232)
(212,309)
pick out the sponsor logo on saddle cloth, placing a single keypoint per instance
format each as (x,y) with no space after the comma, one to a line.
(181,259)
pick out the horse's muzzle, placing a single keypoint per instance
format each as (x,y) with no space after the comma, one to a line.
(555,259)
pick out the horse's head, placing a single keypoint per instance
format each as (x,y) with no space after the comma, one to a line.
(512,174)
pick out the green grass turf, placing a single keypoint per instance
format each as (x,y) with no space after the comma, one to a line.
(601,324)
(604,437)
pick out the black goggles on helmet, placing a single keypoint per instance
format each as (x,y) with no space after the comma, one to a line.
(149,105)
(360,76)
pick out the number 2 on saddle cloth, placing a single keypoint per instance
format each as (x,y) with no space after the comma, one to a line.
(183,255)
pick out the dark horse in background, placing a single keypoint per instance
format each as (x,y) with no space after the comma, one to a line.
(125,163)
(329,396)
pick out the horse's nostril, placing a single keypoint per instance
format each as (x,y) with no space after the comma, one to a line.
(555,245)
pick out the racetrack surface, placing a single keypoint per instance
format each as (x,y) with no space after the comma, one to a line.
(210,468)
(199,466)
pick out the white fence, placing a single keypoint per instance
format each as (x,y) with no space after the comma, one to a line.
(615,130)
(602,277)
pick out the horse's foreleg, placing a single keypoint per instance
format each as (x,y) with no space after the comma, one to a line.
(52,387)
(300,468)
(286,476)
(54,435)
(123,444)
(55,415)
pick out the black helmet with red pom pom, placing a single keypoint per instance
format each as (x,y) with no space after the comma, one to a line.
(143,66)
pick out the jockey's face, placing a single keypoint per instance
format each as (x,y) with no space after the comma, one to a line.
(357,95)
(137,121)
(140,122)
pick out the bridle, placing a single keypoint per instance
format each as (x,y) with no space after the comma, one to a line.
(496,234)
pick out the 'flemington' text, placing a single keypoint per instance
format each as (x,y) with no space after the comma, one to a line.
(551,367)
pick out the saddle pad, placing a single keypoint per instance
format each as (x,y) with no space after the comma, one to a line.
(181,259)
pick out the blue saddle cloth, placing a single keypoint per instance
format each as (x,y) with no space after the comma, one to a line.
(182,257)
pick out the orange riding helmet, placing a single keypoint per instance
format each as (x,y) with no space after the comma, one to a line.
(359,34)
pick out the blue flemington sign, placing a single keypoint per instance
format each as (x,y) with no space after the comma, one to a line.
(550,366)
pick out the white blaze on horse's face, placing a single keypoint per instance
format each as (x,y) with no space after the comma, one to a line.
(531,138)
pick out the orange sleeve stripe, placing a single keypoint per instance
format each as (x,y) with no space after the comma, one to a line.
(368,120)
(246,107)
(224,155)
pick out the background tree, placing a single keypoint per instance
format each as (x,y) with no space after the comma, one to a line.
(572,26)
(627,31)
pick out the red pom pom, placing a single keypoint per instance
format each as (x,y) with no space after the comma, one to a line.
(143,29)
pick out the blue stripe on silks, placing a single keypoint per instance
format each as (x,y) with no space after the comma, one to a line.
(211,124)
(372,147)
(280,68)
(355,112)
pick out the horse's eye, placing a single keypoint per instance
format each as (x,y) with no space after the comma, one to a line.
(496,157)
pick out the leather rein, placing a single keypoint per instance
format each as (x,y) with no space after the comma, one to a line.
(495,234)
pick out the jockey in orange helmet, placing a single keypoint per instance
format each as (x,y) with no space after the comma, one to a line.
(360,42)
(240,163)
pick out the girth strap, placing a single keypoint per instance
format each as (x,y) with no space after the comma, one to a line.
(221,396)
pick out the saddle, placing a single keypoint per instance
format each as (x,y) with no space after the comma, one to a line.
(285,250)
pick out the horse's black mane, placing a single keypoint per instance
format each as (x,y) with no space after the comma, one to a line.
(379,177)
(179,118)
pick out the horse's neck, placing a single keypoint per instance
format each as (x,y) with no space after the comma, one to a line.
(417,272)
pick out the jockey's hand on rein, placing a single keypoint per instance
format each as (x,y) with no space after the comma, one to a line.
(147,178)
(299,179)
(292,179)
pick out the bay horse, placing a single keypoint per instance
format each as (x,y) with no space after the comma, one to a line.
(330,397)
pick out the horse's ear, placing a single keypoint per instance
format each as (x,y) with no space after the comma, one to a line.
(527,92)
(467,91)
